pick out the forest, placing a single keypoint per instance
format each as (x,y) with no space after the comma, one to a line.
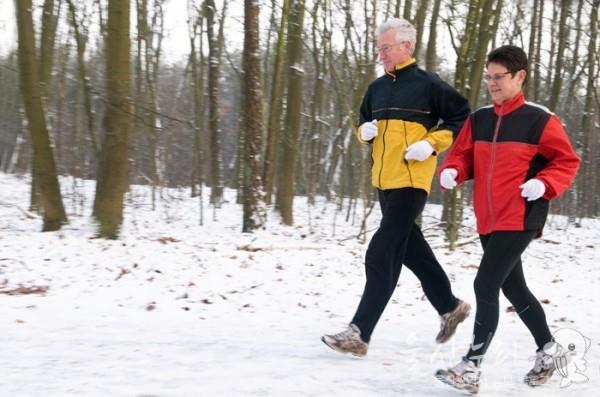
(89,94)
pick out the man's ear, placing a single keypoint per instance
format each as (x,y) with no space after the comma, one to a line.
(522,75)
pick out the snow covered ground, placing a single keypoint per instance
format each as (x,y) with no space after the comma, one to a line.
(177,309)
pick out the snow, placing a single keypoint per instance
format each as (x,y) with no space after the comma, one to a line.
(177,309)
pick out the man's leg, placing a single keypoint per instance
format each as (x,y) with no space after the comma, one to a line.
(385,254)
(421,260)
(435,283)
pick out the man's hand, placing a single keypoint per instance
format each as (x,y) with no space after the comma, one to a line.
(419,151)
(533,189)
(368,130)
(448,178)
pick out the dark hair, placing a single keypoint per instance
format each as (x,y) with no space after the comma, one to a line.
(513,58)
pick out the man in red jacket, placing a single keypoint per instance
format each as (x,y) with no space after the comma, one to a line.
(520,157)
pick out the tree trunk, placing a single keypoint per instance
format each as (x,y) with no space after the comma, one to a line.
(285,191)
(50,14)
(532,46)
(563,37)
(587,178)
(486,31)
(81,42)
(254,211)
(537,61)
(452,200)
(431,56)
(196,61)
(275,105)
(407,10)
(420,25)
(112,174)
(216,155)
(43,159)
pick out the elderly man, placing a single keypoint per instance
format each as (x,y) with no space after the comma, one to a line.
(408,116)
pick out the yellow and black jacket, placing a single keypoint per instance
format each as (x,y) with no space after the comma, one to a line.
(410,105)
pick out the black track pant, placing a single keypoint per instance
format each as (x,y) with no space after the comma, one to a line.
(501,268)
(399,240)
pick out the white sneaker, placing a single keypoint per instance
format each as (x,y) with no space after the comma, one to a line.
(347,341)
(542,370)
(463,376)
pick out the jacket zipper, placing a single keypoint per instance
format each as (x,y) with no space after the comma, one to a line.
(403,158)
(382,152)
(491,169)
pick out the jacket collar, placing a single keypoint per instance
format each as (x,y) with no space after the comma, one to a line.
(510,105)
(401,66)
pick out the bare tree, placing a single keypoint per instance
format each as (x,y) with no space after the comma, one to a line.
(587,183)
(43,158)
(215,46)
(285,191)
(253,201)
(113,169)
(81,42)
(563,35)
(197,68)
(275,105)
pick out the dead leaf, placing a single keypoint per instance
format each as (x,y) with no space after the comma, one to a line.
(123,272)
(166,240)
(25,290)
(469,266)
(247,247)
(151,306)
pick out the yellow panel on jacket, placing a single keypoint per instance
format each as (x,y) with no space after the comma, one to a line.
(390,170)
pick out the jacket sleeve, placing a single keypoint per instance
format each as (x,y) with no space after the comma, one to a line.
(563,162)
(365,114)
(460,156)
(452,108)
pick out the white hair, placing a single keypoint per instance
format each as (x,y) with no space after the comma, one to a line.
(405,31)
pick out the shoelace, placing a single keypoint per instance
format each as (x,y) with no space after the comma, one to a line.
(345,335)
(463,368)
(542,361)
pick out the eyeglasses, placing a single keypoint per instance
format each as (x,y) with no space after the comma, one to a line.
(495,77)
(384,49)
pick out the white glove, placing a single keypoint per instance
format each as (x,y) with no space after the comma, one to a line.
(533,189)
(419,151)
(368,130)
(448,178)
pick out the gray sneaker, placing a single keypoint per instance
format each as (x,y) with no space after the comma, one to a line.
(542,370)
(463,376)
(449,321)
(347,341)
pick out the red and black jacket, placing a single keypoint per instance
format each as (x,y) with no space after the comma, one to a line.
(503,146)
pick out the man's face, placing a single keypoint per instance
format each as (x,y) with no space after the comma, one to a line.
(501,84)
(390,52)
